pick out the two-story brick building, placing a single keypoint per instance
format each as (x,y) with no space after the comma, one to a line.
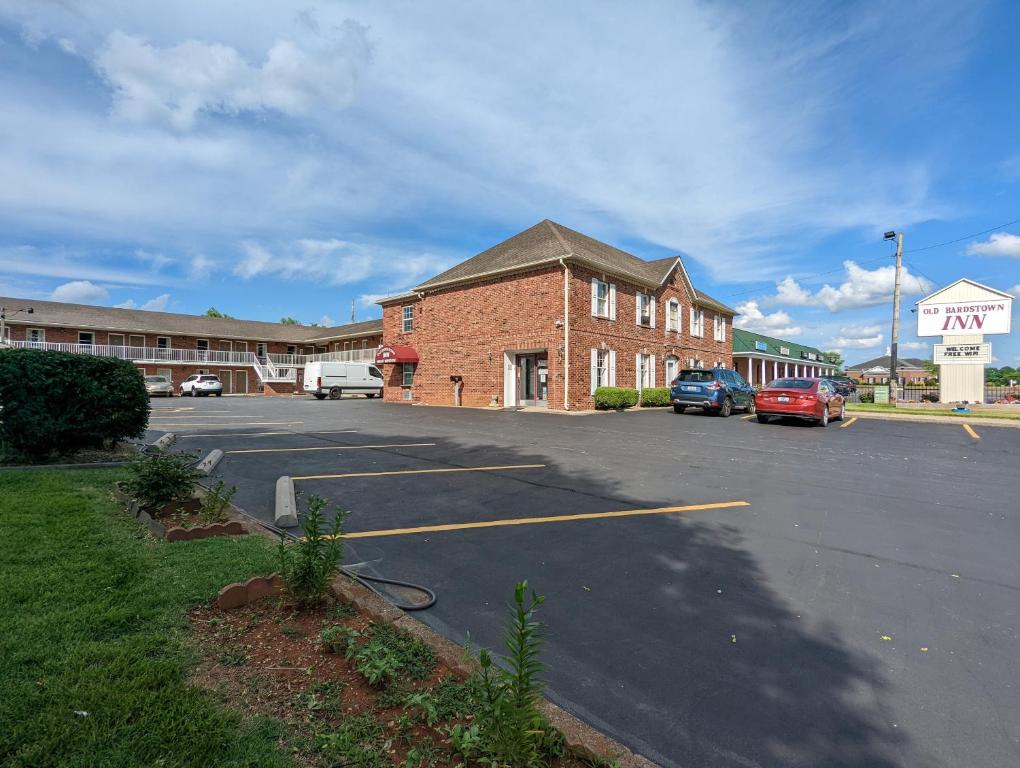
(248,356)
(544,318)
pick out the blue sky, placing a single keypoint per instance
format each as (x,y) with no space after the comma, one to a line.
(294,159)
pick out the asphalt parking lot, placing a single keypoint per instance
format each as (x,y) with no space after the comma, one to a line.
(719,592)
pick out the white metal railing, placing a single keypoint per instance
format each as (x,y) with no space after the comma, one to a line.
(276,366)
(144,354)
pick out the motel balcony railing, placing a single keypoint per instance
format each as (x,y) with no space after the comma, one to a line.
(199,356)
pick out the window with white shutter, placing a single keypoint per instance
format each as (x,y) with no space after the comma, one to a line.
(603,299)
(644,309)
(673,315)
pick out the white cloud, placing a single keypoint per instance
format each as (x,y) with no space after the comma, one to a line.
(201,267)
(776,323)
(80,292)
(914,345)
(370,299)
(337,262)
(128,304)
(860,288)
(157,260)
(38,262)
(326,321)
(1015,291)
(998,244)
(158,304)
(858,337)
(171,85)
(442,123)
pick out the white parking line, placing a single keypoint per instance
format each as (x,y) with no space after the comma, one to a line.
(332,448)
(267,434)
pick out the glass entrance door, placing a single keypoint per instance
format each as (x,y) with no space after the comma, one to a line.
(532,379)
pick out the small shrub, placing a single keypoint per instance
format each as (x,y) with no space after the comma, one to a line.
(607,398)
(655,396)
(358,741)
(465,741)
(512,730)
(59,403)
(215,503)
(866,396)
(389,654)
(160,476)
(929,397)
(309,564)
(340,639)
(426,704)
(377,664)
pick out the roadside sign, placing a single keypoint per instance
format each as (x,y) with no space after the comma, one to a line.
(964,318)
(882,393)
(950,354)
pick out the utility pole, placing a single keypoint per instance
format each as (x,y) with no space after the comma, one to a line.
(352,310)
(893,347)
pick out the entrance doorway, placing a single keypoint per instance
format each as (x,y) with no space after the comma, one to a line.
(533,379)
(227,378)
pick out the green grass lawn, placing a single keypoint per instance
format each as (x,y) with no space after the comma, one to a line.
(978,413)
(93,615)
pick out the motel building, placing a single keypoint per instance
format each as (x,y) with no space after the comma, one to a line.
(909,370)
(248,356)
(761,359)
(544,318)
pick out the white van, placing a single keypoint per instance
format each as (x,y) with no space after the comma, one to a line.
(324,379)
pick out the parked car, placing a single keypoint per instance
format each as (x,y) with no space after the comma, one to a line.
(158,386)
(329,379)
(844,384)
(202,385)
(811,399)
(713,390)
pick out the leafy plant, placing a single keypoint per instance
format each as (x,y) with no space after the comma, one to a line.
(465,740)
(215,503)
(425,702)
(358,741)
(342,610)
(512,730)
(160,476)
(607,398)
(309,564)
(340,639)
(655,396)
(376,663)
(59,403)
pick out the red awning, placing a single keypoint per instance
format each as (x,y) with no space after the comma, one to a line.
(396,354)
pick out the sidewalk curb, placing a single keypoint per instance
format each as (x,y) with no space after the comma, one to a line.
(936,419)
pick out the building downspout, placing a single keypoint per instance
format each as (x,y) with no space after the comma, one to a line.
(566,335)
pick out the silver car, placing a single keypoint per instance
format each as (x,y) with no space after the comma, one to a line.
(202,384)
(158,386)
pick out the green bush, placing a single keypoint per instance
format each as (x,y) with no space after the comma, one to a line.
(309,564)
(160,476)
(59,403)
(607,398)
(655,396)
(866,396)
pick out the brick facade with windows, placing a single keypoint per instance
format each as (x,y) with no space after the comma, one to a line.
(506,337)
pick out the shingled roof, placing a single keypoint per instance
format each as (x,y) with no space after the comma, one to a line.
(547,242)
(85,316)
(904,363)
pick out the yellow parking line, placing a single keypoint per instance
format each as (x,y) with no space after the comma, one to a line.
(419,471)
(537,520)
(748,416)
(971,432)
(266,434)
(331,448)
(847,423)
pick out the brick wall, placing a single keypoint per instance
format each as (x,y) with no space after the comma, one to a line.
(466,331)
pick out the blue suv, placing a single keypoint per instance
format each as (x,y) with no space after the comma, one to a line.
(713,390)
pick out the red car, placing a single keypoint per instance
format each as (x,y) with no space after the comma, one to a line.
(811,399)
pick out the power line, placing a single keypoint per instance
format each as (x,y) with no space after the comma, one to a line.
(965,237)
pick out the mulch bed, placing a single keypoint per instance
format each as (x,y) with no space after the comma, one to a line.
(266,659)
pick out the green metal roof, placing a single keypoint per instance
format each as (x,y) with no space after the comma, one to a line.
(744,342)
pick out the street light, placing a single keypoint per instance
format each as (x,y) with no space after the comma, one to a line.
(3,319)
(894,345)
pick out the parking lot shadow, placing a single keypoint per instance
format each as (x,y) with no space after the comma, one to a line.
(680,646)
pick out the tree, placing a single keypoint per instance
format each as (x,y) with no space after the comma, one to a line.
(932,369)
(833,358)
(288,321)
(213,312)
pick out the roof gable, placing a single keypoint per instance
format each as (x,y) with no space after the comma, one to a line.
(744,342)
(963,281)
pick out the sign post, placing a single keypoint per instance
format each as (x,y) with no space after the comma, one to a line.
(962,314)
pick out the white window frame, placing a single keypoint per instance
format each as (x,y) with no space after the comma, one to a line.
(200,342)
(90,334)
(607,310)
(110,339)
(697,322)
(644,371)
(261,348)
(674,323)
(670,375)
(407,318)
(132,336)
(719,327)
(640,297)
(160,345)
(406,381)
(603,368)
(41,333)
(168,372)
